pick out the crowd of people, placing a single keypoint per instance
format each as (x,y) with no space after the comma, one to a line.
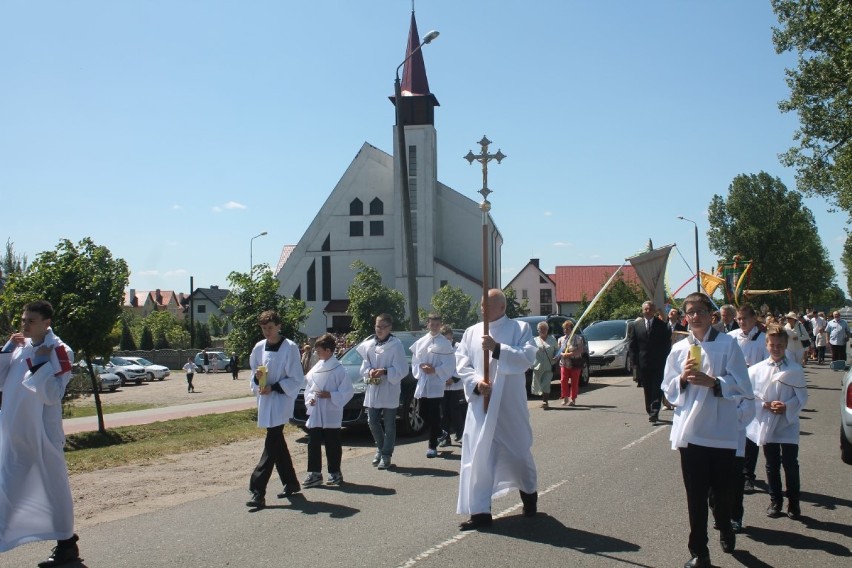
(733,377)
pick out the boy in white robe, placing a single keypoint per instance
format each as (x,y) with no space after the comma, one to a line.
(327,391)
(433,362)
(277,378)
(780,394)
(497,443)
(705,379)
(35,495)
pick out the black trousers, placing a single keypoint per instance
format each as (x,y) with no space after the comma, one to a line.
(703,469)
(652,380)
(430,412)
(275,455)
(454,409)
(750,460)
(838,352)
(333,449)
(787,455)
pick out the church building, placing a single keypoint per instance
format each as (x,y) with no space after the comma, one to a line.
(362,219)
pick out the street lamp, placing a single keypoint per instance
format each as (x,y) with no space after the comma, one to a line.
(251,252)
(410,261)
(697,273)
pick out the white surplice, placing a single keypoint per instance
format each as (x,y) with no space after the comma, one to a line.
(283,367)
(435,350)
(35,496)
(786,384)
(497,445)
(328,375)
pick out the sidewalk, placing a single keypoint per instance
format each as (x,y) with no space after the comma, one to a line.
(135,417)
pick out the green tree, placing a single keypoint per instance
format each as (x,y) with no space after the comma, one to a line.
(216,324)
(368,297)
(846,259)
(202,336)
(455,307)
(249,297)
(622,300)
(146,343)
(127,343)
(515,309)
(820,32)
(11,263)
(160,341)
(763,221)
(178,337)
(86,286)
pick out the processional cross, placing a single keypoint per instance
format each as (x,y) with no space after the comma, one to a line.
(484,157)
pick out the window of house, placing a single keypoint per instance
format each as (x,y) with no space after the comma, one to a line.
(356,207)
(202,308)
(377,207)
(377,228)
(546,301)
(524,294)
(356,228)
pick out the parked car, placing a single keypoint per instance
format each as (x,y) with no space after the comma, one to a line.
(152,371)
(219,361)
(846,419)
(354,413)
(554,324)
(128,372)
(609,345)
(106,380)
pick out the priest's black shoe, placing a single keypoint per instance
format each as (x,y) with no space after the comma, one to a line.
(64,552)
(476,521)
(530,501)
(257,501)
(289,490)
(728,540)
(699,562)
(794,510)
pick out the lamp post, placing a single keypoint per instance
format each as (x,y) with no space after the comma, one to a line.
(251,253)
(410,261)
(697,273)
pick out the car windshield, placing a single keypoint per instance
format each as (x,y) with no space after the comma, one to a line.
(120,361)
(606,331)
(143,361)
(352,357)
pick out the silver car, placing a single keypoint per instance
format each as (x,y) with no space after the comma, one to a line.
(152,371)
(128,372)
(609,345)
(846,419)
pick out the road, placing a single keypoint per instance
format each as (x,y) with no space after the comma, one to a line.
(610,495)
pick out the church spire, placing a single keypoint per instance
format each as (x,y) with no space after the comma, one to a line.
(418,102)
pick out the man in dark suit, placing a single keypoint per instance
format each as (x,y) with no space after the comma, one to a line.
(650,344)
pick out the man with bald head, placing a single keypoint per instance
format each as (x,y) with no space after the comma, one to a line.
(497,442)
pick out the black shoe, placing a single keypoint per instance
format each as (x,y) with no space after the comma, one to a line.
(290,489)
(257,501)
(728,540)
(699,562)
(654,418)
(794,511)
(477,521)
(64,552)
(737,526)
(748,486)
(774,509)
(530,501)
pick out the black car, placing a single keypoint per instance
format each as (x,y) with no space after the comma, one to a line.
(555,323)
(354,413)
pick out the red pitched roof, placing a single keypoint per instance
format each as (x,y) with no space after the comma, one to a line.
(574,281)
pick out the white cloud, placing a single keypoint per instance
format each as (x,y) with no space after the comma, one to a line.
(562,244)
(548,213)
(176,207)
(234,205)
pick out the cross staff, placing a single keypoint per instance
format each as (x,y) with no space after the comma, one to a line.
(484,157)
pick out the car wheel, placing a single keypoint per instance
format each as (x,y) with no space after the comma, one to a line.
(412,422)
(150,377)
(123,379)
(162,379)
(140,381)
(113,389)
(845,448)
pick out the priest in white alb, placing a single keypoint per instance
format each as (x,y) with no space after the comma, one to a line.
(497,442)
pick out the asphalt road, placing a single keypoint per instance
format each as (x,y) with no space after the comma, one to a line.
(610,495)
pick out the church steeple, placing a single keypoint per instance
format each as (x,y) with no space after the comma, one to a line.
(418,102)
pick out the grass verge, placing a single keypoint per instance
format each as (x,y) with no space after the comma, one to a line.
(91,451)
(73,411)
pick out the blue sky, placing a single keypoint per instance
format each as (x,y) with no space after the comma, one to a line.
(174,131)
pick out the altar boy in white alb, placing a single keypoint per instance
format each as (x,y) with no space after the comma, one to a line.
(327,391)
(497,444)
(780,393)
(35,496)
(433,363)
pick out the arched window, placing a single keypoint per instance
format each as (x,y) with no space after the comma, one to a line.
(356,207)
(377,207)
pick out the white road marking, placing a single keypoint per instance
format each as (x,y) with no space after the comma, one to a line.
(462,535)
(643,438)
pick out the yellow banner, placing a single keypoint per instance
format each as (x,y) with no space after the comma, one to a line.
(710,282)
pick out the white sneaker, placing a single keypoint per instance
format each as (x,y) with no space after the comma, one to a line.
(431,453)
(334,478)
(312,480)
(385,462)
(377,458)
